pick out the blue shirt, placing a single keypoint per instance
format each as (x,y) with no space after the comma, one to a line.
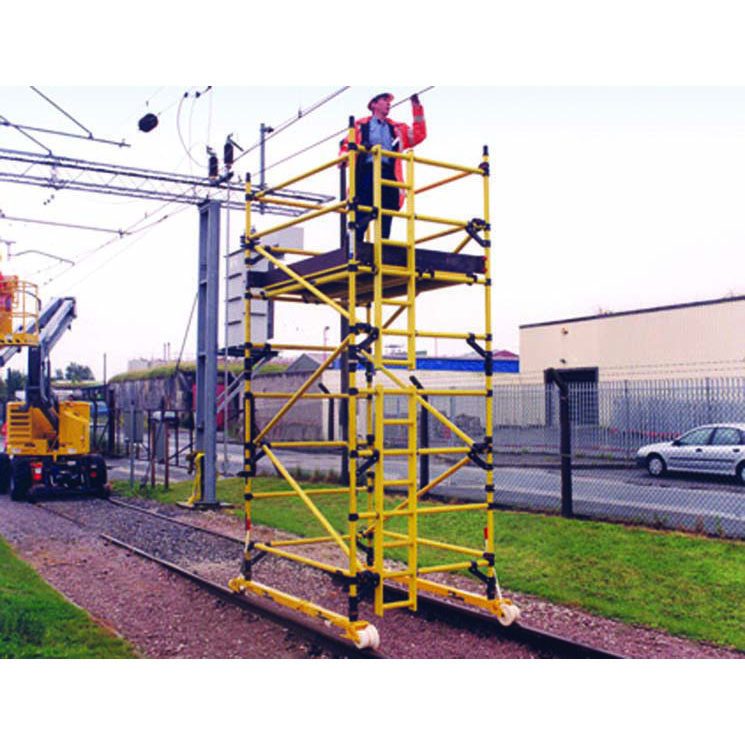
(380,134)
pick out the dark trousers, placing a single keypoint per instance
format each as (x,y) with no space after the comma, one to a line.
(364,192)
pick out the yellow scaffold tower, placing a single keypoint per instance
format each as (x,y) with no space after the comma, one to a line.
(371,285)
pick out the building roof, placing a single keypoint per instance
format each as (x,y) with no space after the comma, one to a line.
(639,311)
(305,362)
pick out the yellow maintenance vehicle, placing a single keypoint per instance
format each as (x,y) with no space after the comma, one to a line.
(47,442)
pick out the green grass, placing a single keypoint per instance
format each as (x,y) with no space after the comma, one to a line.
(686,584)
(168,370)
(37,622)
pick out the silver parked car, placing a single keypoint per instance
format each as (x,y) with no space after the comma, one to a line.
(713,448)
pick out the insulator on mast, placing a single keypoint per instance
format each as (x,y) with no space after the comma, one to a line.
(228,154)
(213,164)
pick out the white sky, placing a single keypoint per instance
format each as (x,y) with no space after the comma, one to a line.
(614,186)
(601,197)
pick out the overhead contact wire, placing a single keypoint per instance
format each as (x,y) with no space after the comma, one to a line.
(337,134)
(293,120)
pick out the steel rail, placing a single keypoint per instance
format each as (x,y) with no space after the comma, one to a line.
(554,644)
(310,631)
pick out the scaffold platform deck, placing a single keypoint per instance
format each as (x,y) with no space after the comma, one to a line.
(435,270)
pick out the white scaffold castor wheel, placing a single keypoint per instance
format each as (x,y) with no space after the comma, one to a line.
(510,614)
(368,638)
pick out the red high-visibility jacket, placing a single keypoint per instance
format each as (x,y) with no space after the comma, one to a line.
(407,137)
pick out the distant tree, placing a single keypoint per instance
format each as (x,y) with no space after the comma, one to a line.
(16,381)
(76,373)
(58,375)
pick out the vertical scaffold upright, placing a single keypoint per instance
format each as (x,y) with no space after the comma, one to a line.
(384,539)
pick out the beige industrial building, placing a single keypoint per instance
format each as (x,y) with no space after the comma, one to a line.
(690,340)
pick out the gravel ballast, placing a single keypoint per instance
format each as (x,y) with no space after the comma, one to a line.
(167,617)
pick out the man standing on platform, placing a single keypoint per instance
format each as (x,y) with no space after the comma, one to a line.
(378,129)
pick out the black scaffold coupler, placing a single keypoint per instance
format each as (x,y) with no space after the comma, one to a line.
(474,226)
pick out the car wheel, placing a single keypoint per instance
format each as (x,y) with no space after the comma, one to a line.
(740,474)
(656,466)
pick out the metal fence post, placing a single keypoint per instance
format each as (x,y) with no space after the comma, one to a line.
(565,444)
(164,425)
(423,436)
(131,445)
(627,412)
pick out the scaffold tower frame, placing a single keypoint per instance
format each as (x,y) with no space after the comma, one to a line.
(371,285)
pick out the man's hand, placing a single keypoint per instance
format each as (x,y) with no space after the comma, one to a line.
(415,100)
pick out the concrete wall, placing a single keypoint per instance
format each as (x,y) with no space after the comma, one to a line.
(701,339)
(150,394)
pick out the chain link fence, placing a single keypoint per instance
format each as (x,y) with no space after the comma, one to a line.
(609,422)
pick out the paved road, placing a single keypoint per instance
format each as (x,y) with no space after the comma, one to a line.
(716,505)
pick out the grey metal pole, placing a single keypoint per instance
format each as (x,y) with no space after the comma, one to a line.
(330,413)
(423,436)
(565,443)
(263,131)
(225,408)
(132,430)
(111,422)
(164,430)
(207,317)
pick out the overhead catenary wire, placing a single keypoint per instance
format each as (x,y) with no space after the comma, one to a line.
(52,223)
(23,127)
(128,245)
(6,122)
(129,231)
(133,229)
(187,149)
(60,109)
(293,120)
(336,134)
(186,333)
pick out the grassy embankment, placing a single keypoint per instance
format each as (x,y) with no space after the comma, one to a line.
(686,584)
(37,622)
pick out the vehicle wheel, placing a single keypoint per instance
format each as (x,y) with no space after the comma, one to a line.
(21,480)
(97,466)
(740,474)
(656,466)
(4,473)
(510,614)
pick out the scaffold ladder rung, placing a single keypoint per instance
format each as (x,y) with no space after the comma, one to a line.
(399,604)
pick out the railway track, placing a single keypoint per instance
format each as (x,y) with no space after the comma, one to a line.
(465,619)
